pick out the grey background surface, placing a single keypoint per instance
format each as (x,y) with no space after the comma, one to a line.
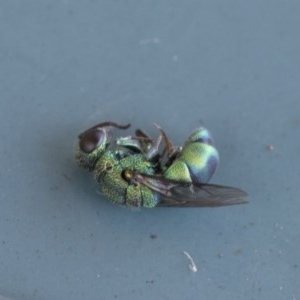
(230,65)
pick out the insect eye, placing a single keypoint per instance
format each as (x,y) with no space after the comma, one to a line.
(91,140)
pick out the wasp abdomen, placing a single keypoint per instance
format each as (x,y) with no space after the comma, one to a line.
(198,160)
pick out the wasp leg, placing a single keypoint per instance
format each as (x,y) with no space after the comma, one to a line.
(146,141)
(130,142)
(169,145)
(143,136)
(170,150)
(153,151)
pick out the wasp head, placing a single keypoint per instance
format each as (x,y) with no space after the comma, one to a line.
(93,142)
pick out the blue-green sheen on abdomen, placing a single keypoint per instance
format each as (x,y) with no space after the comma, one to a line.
(196,163)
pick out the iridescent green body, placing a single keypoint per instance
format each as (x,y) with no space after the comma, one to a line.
(110,173)
(132,171)
(197,161)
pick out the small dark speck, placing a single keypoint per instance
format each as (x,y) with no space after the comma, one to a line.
(295,266)
(153,236)
(54,188)
(66,177)
(237,252)
(150,281)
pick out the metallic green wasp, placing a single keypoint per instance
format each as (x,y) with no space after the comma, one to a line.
(133,172)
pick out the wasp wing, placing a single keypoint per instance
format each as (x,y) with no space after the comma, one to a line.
(180,194)
(206,195)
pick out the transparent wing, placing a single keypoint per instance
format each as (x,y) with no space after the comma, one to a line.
(208,195)
(180,194)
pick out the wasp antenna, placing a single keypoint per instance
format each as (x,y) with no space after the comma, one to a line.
(105,124)
(111,124)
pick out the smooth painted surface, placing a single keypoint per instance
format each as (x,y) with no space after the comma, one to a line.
(232,66)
